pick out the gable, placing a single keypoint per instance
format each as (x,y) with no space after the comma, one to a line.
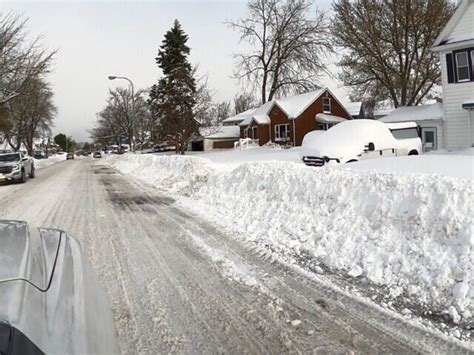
(460,27)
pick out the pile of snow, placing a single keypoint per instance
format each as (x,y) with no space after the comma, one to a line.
(53,159)
(412,233)
(458,166)
(175,174)
(230,159)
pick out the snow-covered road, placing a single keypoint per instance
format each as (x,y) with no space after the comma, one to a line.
(179,285)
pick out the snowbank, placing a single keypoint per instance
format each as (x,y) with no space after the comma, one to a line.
(176,174)
(458,166)
(42,163)
(411,233)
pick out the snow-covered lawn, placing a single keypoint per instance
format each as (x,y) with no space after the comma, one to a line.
(401,223)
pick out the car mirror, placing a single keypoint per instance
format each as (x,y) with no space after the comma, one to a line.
(24,159)
(370,147)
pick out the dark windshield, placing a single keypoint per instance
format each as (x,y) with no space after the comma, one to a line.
(9,158)
(405,133)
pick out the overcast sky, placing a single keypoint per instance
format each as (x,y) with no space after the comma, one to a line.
(96,39)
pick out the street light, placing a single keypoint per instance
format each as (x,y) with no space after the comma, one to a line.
(113,77)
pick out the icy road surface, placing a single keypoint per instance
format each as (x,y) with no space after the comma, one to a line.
(178,285)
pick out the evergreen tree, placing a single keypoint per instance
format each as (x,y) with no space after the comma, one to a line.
(172,100)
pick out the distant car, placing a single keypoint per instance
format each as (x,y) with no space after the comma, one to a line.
(16,166)
(52,302)
(159,148)
(39,156)
(97,155)
(361,139)
(69,156)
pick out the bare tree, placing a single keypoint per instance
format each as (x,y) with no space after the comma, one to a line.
(121,119)
(29,113)
(243,102)
(204,105)
(222,111)
(289,40)
(20,60)
(387,47)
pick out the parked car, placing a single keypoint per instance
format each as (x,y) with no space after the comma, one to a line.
(16,167)
(360,139)
(159,148)
(39,156)
(69,156)
(97,155)
(51,302)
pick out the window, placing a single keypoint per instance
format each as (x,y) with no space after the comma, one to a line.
(281,132)
(405,133)
(462,66)
(326,104)
(429,138)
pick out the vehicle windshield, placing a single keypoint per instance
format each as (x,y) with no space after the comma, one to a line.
(405,133)
(9,158)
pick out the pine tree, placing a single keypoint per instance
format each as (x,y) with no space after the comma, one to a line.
(172,100)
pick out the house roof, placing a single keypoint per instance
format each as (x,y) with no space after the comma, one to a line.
(292,106)
(240,117)
(448,36)
(260,115)
(223,132)
(415,113)
(295,105)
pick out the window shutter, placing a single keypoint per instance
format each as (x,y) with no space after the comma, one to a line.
(450,68)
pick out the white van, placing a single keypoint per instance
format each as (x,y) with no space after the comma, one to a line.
(354,140)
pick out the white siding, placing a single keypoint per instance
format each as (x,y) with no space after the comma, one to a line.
(464,29)
(458,128)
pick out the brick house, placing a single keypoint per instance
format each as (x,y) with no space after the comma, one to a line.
(286,121)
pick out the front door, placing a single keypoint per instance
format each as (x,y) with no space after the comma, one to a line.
(429,138)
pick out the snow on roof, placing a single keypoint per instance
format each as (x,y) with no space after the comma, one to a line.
(415,113)
(260,115)
(239,117)
(295,105)
(326,118)
(225,132)
(353,107)
(448,35)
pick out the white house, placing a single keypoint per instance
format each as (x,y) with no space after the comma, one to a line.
(430,119)
(455,45)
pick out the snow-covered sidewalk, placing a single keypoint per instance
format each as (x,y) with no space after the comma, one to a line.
(408,227)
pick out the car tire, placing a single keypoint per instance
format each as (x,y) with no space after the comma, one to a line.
(33,172)
(413,152)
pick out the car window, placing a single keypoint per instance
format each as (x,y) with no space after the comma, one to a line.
(405,133)
(8,158)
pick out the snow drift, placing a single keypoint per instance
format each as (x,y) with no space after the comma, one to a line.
(411,233)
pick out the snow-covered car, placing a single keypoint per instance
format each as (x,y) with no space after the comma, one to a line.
(361,139)
(69,156)
(16,166)
(51,301)
(97,155)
